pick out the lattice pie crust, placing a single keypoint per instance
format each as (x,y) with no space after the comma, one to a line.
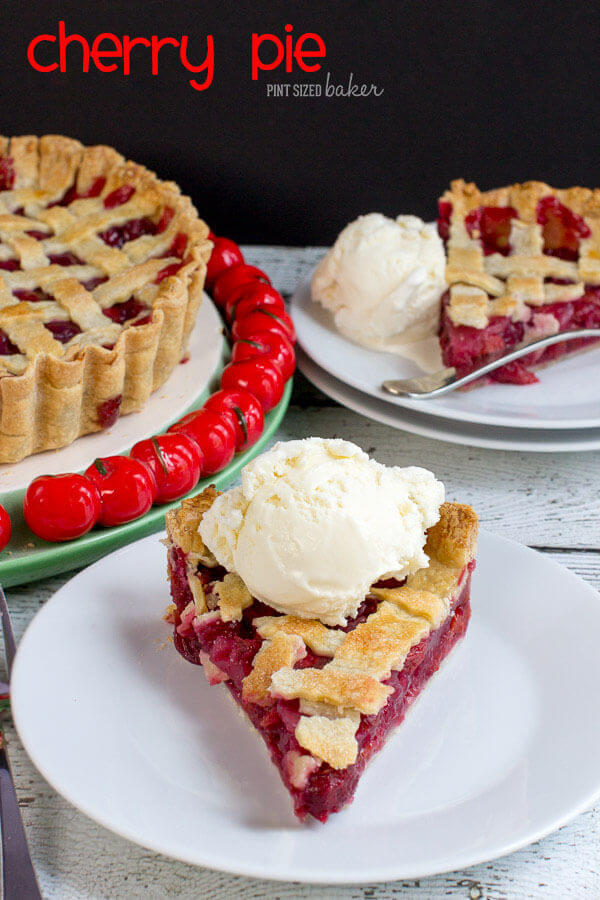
(53,204)
(495,285)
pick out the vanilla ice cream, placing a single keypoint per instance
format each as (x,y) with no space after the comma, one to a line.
(316,522)
(382,280)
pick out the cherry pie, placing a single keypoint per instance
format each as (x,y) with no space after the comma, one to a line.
(101,273)
(523,262)
(323,699)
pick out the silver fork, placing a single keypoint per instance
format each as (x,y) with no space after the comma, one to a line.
(18,874)
(423,387)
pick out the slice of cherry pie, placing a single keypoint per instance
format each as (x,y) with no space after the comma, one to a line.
(523,262)
(324,699)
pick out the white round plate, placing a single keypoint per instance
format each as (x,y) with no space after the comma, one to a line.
(499,751)
(534,441)
(166,405)
(566,397)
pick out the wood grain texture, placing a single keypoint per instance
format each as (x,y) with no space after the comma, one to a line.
(544,500)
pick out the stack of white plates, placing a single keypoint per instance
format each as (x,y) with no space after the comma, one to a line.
(561,413)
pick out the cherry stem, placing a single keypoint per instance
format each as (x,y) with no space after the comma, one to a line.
(100,466)
(242,421)
(159,454)
(267,312)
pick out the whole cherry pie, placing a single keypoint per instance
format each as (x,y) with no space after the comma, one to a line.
(101,273)
(324,699)
(523,262)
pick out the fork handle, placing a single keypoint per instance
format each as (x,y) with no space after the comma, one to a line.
(18,875)
(425,386)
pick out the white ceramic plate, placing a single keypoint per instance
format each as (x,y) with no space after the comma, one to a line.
(534,441)
(567,396)
(499,750)
(164,406)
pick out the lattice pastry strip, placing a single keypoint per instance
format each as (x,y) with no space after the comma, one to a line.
(589,254)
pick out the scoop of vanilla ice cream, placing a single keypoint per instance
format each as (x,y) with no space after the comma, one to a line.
(383,278)
(316,522)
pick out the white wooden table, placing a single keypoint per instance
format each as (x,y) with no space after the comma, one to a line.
(548,501)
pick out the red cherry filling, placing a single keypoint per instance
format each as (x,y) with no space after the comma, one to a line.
(94,282)
(35,296)
(94,190)
(121,234)
(7,174)
(491,224)
(178,246)
(119,196)
(7,348)
(10,265)
(163,223)
(63,329)
(122,312)
(38,235)
(466,348)
(65,259)
(445,212)
(108,411)
(562,229)
(167,272)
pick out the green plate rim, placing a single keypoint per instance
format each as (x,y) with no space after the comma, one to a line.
(49,559)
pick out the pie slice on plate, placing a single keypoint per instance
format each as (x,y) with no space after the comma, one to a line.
(523,262)
(324,699)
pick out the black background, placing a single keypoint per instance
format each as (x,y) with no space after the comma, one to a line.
(493,92)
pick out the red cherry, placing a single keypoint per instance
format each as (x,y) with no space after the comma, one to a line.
(234,277)
(261,376)
(271,345)
(263,320)
(225,254)
(175,460)
(214,434)
(127,488)
(61,507)
(243,411)
(248,297)
(5,528)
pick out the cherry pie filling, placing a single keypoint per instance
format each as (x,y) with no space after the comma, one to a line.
(232,646)
(467,348)
(132,310)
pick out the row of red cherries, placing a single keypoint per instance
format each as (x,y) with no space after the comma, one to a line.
(117,489)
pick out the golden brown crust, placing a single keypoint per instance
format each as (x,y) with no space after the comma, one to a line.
(333,685)
(282,651)
(524,197)
(516,279)
(234,597)
(318,637)
(182,524)
(47,403)
(330,740)
(452,541)
(382,643)
(416,603)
